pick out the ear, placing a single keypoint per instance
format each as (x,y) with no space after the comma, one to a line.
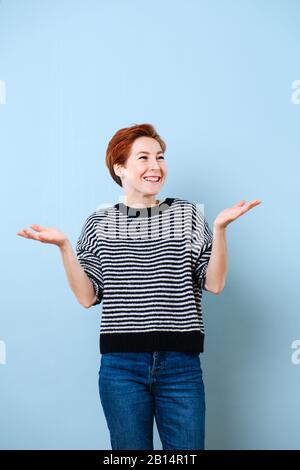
(117,170)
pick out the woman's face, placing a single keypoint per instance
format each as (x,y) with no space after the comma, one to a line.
(146,160)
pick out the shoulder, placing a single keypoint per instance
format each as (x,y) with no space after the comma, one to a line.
(100,213)
(193,213)
(194,208)
(91,225)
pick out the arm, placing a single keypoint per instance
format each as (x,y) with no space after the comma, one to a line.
(77,278)
(84,287)
(218,263)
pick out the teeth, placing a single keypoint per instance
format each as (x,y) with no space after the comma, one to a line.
(152,179)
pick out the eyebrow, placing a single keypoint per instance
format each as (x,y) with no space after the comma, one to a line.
(144,151)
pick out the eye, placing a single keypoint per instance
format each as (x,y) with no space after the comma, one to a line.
(144,156)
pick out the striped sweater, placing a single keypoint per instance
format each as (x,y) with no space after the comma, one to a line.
(148,266)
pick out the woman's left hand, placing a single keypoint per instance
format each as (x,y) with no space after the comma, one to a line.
(232,213)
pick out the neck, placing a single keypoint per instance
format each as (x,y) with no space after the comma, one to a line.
(140,201)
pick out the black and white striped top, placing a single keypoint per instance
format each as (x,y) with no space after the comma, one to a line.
(148,266)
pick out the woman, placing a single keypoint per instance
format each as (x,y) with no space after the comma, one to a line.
(147,261)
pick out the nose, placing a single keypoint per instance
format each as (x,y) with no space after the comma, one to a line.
(154,164)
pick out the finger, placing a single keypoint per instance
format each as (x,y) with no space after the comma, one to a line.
(250,205)
(31,235)
(21,234)
(240,203)
(27,233)
(254,203)
(36,227)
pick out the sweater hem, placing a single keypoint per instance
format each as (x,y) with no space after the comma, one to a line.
(191,341)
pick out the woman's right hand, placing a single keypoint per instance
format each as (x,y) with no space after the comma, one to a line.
(45,235)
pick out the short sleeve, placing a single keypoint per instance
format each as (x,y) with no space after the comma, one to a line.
(87,251)
(204,247)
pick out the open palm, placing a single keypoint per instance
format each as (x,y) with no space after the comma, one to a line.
(228,215)
(44,235)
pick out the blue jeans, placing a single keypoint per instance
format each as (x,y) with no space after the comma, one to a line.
(135,387)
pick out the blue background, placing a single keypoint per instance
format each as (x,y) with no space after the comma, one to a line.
(215,78)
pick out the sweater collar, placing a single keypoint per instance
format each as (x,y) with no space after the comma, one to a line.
(145,211)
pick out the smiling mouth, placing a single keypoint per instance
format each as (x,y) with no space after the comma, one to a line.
(152,179)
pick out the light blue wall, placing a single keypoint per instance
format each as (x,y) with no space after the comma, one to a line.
(215,78)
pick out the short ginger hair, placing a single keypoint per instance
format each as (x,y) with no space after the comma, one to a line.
(119,146)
